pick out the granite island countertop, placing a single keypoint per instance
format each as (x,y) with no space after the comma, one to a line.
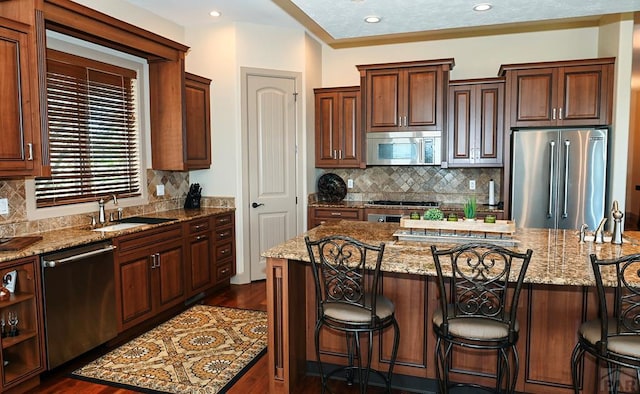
(558,258)
(75,236)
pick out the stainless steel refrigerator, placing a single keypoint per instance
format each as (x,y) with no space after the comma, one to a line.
(558,177)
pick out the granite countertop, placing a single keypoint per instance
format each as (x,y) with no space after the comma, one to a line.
(365,204)
(557,259)
(75,236)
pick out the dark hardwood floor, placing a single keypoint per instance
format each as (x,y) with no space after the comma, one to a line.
(249,296)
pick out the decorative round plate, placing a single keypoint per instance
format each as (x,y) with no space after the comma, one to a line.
(331,188)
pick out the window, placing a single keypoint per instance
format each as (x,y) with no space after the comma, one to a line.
(93,140)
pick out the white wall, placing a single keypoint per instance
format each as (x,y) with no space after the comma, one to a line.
(475,57)
(219,53)
(616,39)
(129,13)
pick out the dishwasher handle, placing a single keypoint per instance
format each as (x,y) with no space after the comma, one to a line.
(76,257)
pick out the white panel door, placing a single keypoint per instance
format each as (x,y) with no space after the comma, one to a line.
(272,164)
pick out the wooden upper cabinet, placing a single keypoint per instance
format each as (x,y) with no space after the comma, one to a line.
(21,151)
(180,122)
(568,93)
(198,122)
(476,123)
(338,127)
(406,96)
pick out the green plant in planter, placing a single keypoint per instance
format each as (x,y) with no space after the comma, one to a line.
(470,208)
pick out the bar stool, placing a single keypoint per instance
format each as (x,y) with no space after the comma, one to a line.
(614,337)
(476,312)
(346,274)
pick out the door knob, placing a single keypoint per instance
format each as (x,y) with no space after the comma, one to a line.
(256,205)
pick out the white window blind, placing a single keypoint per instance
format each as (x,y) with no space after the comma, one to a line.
(93,140)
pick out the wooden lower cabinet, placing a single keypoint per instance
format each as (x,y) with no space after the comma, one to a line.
(149,274)
(318,216)
(225,247)
(22,354)
(200,269)
(549,317)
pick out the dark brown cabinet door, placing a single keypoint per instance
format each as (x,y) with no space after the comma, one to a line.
(135,289)
(384,104)
(476,123)
(423,98)
(338,131)
(404,99)
(198,121)
(200,270)
(572,93)
(149,273)
(406,96)
(17,148)
(169,275)
(585,95)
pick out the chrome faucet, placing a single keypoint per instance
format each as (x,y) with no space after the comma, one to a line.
(616,237)
(598,236)
(102,219)
(583,232)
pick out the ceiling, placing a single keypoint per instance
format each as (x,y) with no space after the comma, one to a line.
(340,23)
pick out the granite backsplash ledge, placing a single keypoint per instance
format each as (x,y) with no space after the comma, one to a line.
(176,184)
(420,183)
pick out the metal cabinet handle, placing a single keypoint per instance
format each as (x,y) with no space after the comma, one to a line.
(153,261)
(335,154)
(30,151)
(560,113)
(336,213)
(567,144)
(552,160)
(554,114)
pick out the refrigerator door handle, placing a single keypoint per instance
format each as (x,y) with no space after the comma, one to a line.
(552,159)
(567,144)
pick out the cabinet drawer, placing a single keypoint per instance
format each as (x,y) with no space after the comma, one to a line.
(223,220)
(224,271)
(224,250)
(196,226)
(148,238)
(346,214)
(224,233)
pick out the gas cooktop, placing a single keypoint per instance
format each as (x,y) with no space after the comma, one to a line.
(430,204)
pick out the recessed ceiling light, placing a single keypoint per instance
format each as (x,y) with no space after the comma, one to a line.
(482,7)
(215,13)
(372,19)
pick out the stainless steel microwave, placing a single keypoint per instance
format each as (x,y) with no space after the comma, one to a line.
(404,148)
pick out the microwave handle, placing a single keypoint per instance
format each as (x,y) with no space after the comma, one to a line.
(421,150)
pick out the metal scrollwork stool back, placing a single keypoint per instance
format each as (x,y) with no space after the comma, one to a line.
(346,274)
(614,337)
(478,311)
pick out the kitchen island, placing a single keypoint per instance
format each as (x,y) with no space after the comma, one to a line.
(559,294)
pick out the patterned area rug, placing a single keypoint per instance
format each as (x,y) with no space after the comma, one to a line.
(202,350)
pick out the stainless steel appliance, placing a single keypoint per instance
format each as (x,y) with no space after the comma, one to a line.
(390,210)
(404,148)
(559,177)
(79,301)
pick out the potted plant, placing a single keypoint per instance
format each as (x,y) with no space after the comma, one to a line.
(470,209)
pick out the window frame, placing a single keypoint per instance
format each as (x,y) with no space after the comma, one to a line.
(75,46)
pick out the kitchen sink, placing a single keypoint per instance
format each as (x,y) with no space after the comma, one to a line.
(145,220)
(118,227)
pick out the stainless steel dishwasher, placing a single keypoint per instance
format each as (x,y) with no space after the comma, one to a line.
(79,300)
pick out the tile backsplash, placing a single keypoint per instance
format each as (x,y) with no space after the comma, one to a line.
(420,183)
(176,185)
